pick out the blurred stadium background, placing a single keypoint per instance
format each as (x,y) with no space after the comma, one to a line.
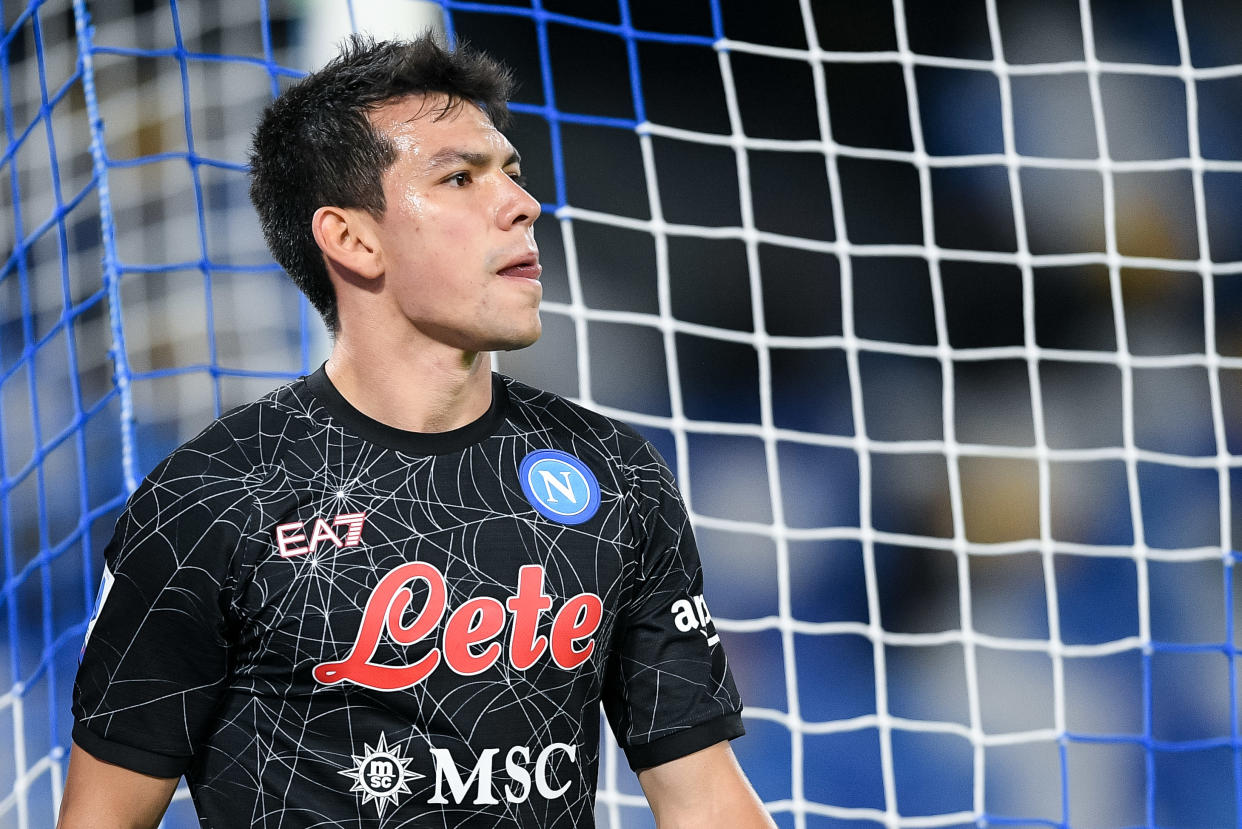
(935,307)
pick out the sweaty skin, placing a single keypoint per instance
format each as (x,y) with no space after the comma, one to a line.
(447,275)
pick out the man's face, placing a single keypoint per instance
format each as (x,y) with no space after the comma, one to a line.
(457,235)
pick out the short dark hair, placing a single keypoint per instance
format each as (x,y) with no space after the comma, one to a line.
(315,146)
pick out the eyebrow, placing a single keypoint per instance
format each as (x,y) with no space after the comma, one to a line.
(451,156)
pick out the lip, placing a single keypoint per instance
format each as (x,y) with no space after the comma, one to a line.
(525,266)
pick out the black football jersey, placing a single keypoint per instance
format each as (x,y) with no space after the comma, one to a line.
(324,621)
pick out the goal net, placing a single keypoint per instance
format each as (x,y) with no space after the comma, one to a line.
(934,307)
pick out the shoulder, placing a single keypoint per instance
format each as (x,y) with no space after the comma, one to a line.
(623,461)
(236,445)
(562,420)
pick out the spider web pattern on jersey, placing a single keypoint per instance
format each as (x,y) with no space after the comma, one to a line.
(284,611)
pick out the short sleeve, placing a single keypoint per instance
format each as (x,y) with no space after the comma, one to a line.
(156,655)
(669,691)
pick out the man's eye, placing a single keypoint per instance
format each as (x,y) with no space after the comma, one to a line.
(519,179)
(459,179)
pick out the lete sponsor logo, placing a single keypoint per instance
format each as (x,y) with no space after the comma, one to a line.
(477,622)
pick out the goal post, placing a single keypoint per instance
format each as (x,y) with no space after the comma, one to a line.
(934,308)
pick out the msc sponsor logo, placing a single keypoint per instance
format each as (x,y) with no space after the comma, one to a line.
(477,623)
(559,486)
(452,788)
(691,614)
(382,774)
(292,539)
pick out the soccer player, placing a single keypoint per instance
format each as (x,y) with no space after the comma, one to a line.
(396,591)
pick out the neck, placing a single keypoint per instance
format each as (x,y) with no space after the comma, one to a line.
(416,390)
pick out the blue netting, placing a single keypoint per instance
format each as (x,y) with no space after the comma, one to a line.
(123,216)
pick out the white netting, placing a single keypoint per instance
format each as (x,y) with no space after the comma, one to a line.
(934,307)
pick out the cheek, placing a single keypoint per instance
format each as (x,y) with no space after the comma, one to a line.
(426,238)
(412,206)
(456,237)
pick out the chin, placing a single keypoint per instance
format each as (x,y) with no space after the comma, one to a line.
(520,339)
(517,344)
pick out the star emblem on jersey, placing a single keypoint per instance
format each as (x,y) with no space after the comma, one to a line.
(559,486)
(381,774)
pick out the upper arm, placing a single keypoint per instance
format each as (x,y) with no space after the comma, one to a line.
(671,691)
(99,795)
(157,655)
(706,788)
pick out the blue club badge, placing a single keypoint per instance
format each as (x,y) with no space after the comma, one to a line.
(559,486)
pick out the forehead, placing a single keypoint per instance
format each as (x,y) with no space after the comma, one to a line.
(421,125)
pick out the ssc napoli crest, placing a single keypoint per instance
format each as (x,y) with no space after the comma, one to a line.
(559,486)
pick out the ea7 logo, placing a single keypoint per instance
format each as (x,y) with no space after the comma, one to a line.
(691,614)
(292,540)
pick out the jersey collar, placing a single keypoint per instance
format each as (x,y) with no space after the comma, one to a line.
(411,443)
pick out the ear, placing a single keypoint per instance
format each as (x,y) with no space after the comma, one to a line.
(347,237)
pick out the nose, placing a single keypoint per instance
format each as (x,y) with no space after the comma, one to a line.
(517,206)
